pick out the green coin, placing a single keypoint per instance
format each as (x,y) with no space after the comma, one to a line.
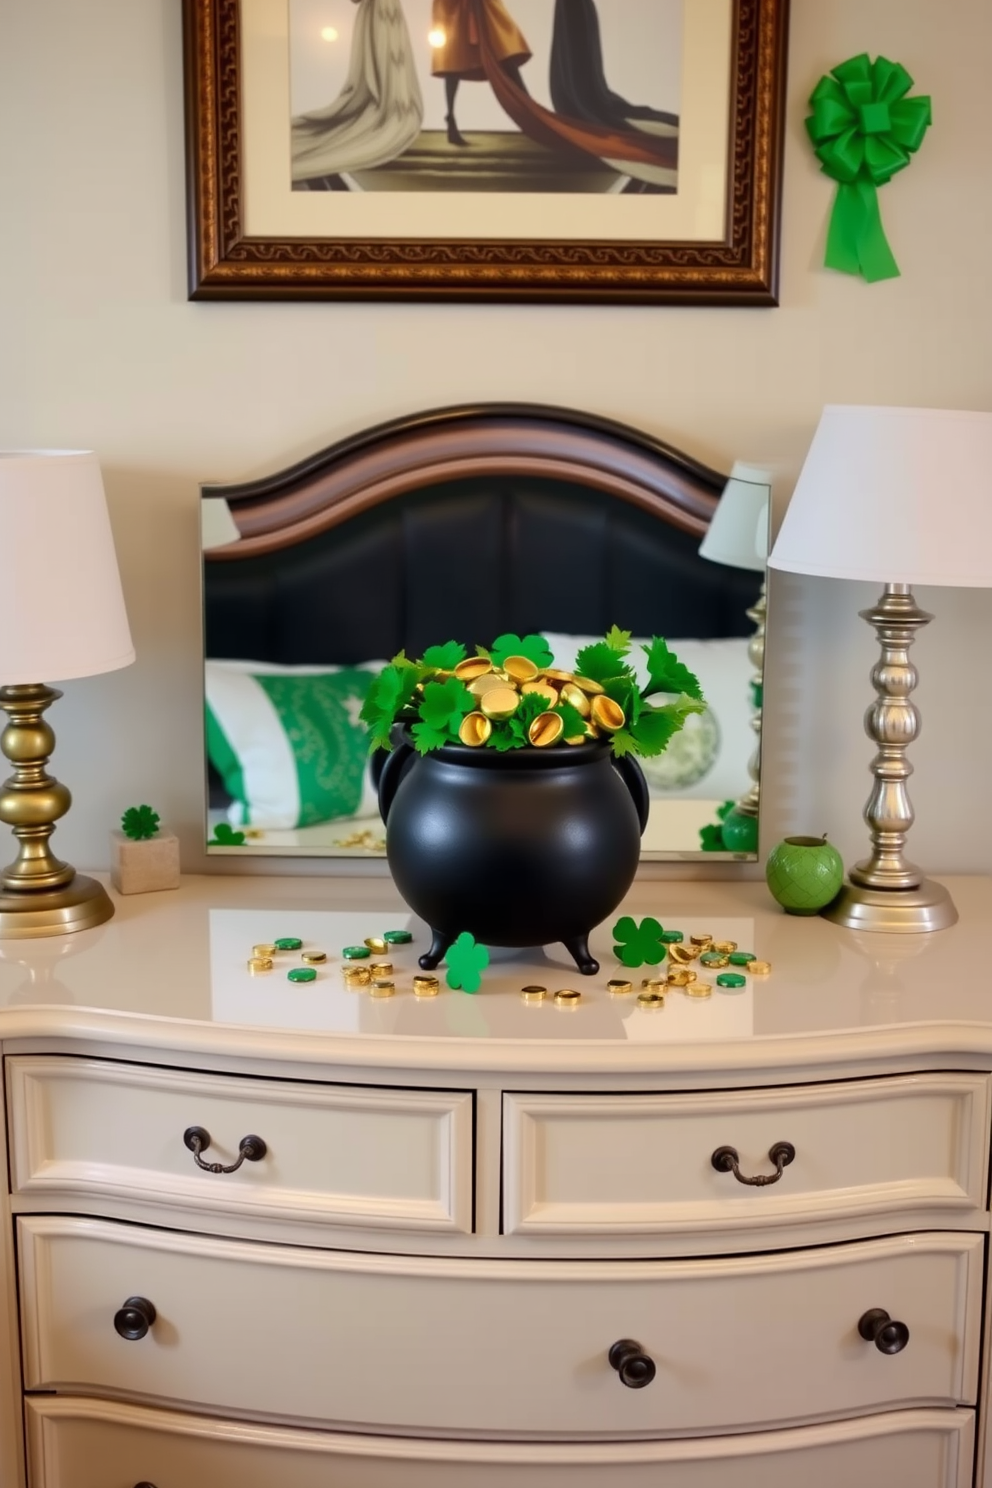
(713,958)
(302,974)
(737,958)
(397,937)
(672,937)
(288,943)
(731,979)
(356,953)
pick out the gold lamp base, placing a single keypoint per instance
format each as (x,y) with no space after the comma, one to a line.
(80,905)
(909,911)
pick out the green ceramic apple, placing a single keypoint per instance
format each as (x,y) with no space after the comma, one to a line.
(804,874)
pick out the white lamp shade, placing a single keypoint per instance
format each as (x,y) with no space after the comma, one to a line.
(62,612)
(737,535)
(893,495)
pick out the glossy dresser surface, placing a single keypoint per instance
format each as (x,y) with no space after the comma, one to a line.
(486,1241)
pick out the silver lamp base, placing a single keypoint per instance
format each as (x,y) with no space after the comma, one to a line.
(909,911)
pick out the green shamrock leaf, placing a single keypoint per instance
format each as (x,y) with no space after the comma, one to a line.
(531,706)
(574,723)
(445,658)
(139,822)
(618,640)
(445,704)
(466,961)
(600,661)
(637,944)
(389,693)
(711,837)
(666,673)
(225,836)
(724,809)
(503,738)
(426,738)
(534,647)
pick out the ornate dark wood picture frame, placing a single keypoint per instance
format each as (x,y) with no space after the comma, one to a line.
(237,251)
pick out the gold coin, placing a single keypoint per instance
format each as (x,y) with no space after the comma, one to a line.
(545,730)
(263,950)
(554,676)
(714,960)
(575,739)
(357,976)
(426,986)
(474,729)
(651,999)
(313,958)
(589,687)
(382,988)
(679,976)
(702,941)
(653,984)
(566,997)
(542,690)
(258,964)
(473,667)
(682,953)
(520,668)
(619,988)
(533,994)
(576,698)
(501,702)
(376,945)
(380,969)
(607,714)
(690,975)
(698,989)
(759,968)
(479,686)
(725,946)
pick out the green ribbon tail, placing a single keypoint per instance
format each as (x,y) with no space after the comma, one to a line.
(856,241)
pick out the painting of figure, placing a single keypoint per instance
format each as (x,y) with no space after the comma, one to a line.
(485,95)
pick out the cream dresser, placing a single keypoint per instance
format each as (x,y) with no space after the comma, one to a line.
(476,1243)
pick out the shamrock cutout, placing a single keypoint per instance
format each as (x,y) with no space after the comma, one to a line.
(139,823)
(534,647)
(466,963)
(638,944)
(225,836)
(445,657)
(445,704)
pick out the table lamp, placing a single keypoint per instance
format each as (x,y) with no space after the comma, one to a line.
(897,496)
(61,616)
(738,536)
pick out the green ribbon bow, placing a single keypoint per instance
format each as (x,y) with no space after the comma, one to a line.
(864,129)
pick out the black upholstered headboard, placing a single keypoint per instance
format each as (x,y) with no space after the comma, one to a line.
(465,523)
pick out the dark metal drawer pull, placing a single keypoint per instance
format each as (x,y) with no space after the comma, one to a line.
(726,1160)
(133,1320)
(635,1367)
(888,1336)
(197,1139)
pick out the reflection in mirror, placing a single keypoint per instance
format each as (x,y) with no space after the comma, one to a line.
(464,524)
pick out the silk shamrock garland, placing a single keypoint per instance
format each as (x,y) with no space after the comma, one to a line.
(864,129)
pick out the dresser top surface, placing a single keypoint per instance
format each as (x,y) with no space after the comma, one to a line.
(170,970)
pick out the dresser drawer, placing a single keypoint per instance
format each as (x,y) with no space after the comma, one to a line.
(341,1154)
(91,1444)
(642,1164)
(433,1346)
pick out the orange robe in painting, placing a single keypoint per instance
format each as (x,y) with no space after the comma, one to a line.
(460,55)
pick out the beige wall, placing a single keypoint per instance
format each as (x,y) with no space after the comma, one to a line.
(99,347)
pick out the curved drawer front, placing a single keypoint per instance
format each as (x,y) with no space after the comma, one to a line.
(345,1154)
(434,1346)
(642,1164)
(90,1443)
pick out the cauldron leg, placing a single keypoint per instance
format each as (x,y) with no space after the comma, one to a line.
(439,945)
(578,948)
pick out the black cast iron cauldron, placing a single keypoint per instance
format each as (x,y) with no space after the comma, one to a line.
(520,848)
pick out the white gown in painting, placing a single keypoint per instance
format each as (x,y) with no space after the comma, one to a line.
(380,109)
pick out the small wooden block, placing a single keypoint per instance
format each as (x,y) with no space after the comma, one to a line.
(144,866)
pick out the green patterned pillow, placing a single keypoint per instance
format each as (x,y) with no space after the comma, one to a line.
(288,742)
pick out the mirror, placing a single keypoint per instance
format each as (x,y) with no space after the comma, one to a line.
(463,524)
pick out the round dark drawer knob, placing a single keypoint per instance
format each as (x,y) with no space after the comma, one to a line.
(727,1160)
(888,1336)
(197,1139)
(133,1320)
(635,1367)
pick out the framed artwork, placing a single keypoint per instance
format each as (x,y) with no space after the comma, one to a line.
(546,150)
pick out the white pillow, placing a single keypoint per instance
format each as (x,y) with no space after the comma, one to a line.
(287,741)
(708,759)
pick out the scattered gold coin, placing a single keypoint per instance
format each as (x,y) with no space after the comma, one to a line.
(682,953)
(679,976)
(265,949)
(426,986)
(382,988)
(698,989)
(533,994)
(702,941)
(651,1000)
(725,946)
(376,945)
(566,997)
(760,968)
(619,988)
(258,964)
